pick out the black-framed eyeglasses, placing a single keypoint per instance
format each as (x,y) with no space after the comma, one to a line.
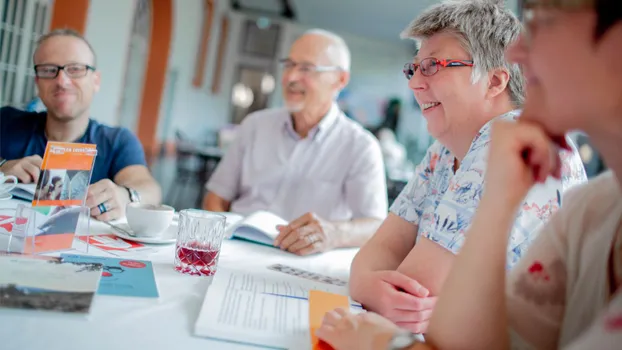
(73,70)
(430,66)
(305,68)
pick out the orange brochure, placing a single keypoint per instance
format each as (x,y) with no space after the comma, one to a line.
(51,223)
(65,174)
(319,304)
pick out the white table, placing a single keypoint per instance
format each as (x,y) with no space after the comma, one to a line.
(139,323)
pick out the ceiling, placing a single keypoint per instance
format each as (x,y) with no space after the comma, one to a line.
(381,20)
(376,19)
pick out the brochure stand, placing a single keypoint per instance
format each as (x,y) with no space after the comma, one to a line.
(42,230)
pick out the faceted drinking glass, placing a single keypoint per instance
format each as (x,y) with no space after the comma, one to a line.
(198,242)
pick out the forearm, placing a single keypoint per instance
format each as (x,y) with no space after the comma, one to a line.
(471,312)
(213,202)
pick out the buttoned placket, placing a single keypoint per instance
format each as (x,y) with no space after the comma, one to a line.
(295,169)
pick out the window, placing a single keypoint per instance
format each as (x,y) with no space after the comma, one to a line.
(21,24)
(136,66)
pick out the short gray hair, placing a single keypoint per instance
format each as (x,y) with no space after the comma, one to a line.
(64,32)
(485,28)
(341,56)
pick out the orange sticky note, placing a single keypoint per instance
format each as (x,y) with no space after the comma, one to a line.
(319,304)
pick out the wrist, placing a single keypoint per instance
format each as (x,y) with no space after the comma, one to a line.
(2,162)
(400,340)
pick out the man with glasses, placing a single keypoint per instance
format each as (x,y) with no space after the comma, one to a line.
(463,83)
(66,77)
(307,163)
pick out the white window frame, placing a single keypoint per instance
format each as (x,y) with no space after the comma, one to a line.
(31,19)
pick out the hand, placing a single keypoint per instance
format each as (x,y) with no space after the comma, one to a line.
(365,331)
(399,298)
(306,235)
(26,169)
(113,197)
(521,154)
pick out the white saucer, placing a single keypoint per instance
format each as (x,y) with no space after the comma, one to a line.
(168,237)
(5,196)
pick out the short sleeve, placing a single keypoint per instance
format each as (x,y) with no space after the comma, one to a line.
(127,151)
(409,203)
(606,332)
(225,181)
(365,186)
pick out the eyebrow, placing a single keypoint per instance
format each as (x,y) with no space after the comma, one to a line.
(431,54)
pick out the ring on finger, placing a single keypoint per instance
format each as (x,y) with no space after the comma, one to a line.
(102,208)
(311,239)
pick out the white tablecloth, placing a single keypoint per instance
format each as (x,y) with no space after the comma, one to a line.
(140,323)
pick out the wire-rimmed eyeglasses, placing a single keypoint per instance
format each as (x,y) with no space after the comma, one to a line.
(305,68)
(430,66)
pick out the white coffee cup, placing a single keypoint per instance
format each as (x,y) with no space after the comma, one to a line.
(148,220)
(6,187)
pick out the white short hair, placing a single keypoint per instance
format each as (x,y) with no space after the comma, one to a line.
(341,56)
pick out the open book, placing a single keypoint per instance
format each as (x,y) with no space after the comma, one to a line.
(24,192)
(265,308)
(258,227)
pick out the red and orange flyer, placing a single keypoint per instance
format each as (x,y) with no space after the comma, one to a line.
(65,174)
(51,223)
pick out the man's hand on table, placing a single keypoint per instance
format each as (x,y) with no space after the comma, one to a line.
(107,200)
(26,170)
(399,298)
(306,235)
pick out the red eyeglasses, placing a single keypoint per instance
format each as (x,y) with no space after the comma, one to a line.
(429,66)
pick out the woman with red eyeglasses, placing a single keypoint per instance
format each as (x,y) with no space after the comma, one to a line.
(566,292)
(463,84)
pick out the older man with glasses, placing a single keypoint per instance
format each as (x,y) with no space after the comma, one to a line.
(67,79)
(307,163)
(463,83)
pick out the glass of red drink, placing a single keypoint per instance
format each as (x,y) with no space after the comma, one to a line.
(198,242)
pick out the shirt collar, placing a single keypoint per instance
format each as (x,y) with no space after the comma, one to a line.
(319,132)
(511,115)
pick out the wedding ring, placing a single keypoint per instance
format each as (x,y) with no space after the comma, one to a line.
(311,239)
(102,208)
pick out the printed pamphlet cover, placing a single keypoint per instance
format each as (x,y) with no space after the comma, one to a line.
(118,246)
(48,284)
(51,223)
(123,277)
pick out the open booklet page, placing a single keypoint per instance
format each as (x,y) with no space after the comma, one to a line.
(259,227)
(267,309)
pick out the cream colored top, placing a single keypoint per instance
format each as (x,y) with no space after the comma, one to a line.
(558,294)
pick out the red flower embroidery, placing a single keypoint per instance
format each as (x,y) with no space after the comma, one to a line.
(613,323)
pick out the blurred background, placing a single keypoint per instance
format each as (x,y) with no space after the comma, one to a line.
(182,74)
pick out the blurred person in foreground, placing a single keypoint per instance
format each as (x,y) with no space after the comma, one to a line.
(566,292)
(464,85)
(307,163)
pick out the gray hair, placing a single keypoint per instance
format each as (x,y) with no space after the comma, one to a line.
(341,56)
(64,32)
(485,28)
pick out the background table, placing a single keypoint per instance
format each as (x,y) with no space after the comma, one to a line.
(140,323)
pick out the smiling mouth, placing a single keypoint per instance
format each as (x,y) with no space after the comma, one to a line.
(426,106)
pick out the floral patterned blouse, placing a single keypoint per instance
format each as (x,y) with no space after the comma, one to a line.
(442,204)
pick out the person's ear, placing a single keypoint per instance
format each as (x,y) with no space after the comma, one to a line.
(498,81)
(96,81)
(342,80)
